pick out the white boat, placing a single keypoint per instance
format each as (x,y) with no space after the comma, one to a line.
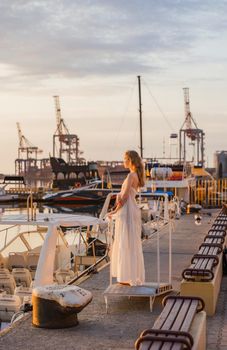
(170,179)
(88,194)
(7,197)
(40,249)
(47,249)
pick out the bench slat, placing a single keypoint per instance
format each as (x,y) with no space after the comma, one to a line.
(173,315)
(159,323)
(179,315)
(188,310)
(167,322)
(166,311)
(188,320)
(179,323)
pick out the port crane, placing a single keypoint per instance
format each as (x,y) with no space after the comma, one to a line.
(65,145)
(26,147)
(190,131)
(27,164)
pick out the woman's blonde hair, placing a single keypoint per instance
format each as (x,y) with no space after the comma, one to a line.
(138,164)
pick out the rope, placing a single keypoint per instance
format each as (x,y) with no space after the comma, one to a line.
(159,108)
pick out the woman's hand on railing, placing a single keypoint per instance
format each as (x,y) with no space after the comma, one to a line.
(109,215)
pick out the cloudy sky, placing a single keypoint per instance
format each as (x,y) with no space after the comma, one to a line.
(90,53)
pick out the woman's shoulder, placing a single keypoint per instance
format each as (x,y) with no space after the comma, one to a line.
(132,176)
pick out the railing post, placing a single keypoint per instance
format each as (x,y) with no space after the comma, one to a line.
(206,192)
(30,206)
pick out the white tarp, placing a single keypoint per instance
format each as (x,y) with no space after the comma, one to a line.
(50,219)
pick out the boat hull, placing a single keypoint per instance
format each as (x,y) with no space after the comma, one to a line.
(94,196)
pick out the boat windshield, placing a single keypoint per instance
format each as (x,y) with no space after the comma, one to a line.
(21,238)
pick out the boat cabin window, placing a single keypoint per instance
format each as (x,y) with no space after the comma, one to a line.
(21,239)
(34,239)
(72,175)
(16,246)
(81,175)
(60,176)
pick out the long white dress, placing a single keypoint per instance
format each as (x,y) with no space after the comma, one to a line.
(127,256)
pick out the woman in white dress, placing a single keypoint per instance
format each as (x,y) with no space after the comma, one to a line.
(127,255)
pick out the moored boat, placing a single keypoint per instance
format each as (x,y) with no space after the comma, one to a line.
(51,247)
(82,195)
(170,177)
(7,197)
(67,175)
(11,195)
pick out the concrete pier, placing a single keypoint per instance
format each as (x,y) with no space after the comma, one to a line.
(126,317)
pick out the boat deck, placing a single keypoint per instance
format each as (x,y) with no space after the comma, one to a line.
(126,317)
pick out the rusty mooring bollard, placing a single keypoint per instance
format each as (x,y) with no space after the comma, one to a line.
(57,306)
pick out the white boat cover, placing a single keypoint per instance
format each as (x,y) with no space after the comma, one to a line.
(71,296)
(50,219)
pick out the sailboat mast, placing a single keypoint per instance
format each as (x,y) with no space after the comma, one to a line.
(140,113)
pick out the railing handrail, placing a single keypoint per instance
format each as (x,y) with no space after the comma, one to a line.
(106,205)
(209,193)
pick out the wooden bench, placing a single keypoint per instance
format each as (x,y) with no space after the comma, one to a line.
(219,226)
(217,232)
(181,325)
(203,263)
(214,239)
(203,277)
(222,218)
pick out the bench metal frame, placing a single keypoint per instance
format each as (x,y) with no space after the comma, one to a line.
(171,329)
(203,277)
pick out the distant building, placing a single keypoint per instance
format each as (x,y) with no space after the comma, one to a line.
(220,162)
